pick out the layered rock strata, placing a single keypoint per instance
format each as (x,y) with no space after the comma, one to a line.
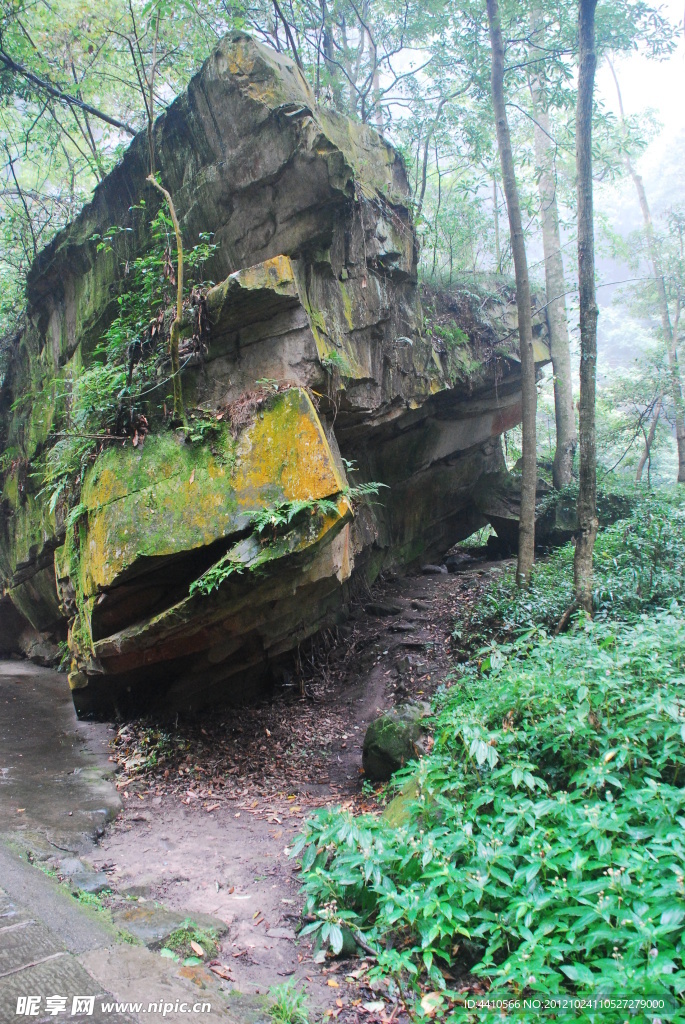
(319,373)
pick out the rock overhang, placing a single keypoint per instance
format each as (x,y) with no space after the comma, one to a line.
(318,361)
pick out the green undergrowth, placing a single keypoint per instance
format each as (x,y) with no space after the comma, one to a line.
(545,851)
(639,563)
(289,1006)
(112,391)
(92,899)
(190,944)
(540,851)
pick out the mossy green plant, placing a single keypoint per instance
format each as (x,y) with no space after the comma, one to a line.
(289,1006)
(182,941)
(335,360)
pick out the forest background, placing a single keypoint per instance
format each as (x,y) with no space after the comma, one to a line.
(77,80)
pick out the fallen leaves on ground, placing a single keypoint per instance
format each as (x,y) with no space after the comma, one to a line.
(303,746)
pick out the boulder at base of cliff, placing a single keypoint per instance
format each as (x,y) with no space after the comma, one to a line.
(557,520)
(498,498)
(392,740)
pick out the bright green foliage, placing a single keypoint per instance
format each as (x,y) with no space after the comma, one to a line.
(104,399)
(639,563)
(362,492)
(275,518)
(289,1006)
(540,844)
(278,517)
(180,940)
(212,579)
(545,849)
(334,360)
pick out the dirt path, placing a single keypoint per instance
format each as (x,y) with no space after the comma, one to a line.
(211,807)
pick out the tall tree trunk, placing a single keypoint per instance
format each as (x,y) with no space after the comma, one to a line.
(649,440)
(669,334)
(566,440)
(526,547)
(587,495)
(495,213)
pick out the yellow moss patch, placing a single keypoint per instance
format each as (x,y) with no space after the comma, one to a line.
(275,274)
(173,497)
(347,305)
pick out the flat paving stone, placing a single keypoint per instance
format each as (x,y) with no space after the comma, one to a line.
(64,976)
(54,767)
(23,945)
(54,793)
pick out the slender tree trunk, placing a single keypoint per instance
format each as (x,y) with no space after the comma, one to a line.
(329,61)
(288,33)
(526,547)
(436,219)
(587,495)
(649,440)
(424,168)
(555,287)
(495,212)
(666,325)
(151,99)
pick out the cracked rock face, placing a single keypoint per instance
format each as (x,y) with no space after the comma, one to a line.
(321,372)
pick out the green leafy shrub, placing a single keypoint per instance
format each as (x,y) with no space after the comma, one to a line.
(289,1005)
(639,563)
(180,943)
(545,849)
(107,396)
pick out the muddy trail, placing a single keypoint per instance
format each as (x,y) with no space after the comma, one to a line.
(211,807)
(203,812)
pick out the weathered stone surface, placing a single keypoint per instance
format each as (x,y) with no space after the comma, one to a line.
(498,498)
(557,520)
(318,356)
(153,924)
(391,741)
(398,811)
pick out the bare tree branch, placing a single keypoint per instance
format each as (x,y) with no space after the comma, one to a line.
(59,94)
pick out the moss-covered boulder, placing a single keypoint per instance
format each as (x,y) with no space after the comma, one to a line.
(185,562)
(391,741)
(498,497)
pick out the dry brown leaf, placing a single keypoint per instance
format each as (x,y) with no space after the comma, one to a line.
(222,971)
(431,1003)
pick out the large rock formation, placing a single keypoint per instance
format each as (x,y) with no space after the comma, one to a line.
(318,354)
